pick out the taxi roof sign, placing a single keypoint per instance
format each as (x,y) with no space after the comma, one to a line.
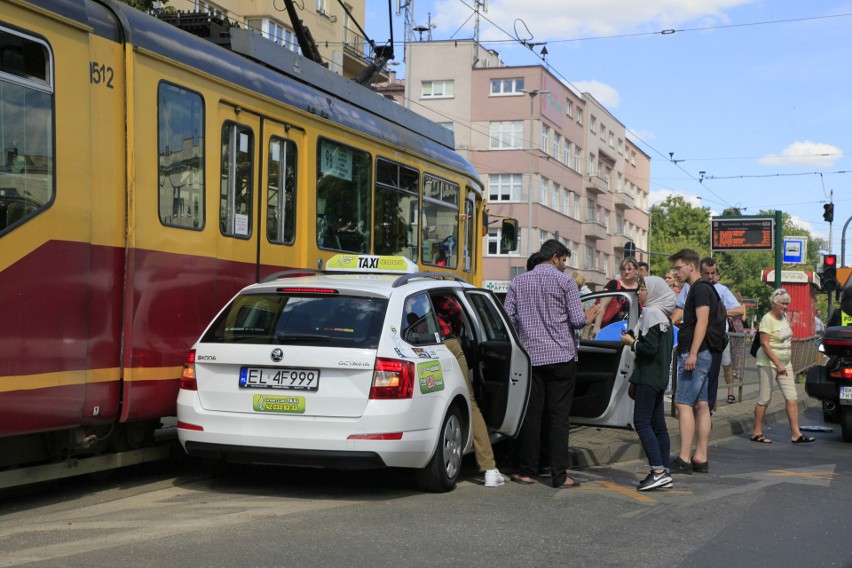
(366,263)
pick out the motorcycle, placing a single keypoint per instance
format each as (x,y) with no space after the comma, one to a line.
(832,383)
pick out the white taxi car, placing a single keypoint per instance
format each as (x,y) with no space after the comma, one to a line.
(345,368)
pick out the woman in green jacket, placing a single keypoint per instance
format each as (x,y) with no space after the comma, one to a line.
(652,340)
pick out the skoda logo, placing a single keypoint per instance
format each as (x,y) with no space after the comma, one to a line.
(277,354)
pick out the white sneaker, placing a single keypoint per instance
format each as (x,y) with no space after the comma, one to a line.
(493,478)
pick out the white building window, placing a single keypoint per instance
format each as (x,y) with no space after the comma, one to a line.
(578,157)
(593,125)
(542,190)
(566,201)
(557,139)
(545,138)
(513,86)
(507,135)
(566,153)
(437,89)
(554,196)
(569,108)
(504,187)
(593,165)
(579,116)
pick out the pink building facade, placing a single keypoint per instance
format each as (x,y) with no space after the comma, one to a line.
(551,157)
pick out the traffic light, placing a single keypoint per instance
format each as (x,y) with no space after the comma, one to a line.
(828,214)
(829,272)
(629,249)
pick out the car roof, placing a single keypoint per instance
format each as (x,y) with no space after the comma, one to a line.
(358,282)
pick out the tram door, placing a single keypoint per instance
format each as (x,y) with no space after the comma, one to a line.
(281,241)
(237,202)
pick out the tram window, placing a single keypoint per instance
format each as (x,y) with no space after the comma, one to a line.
(397,209)
(440,222)
(181,157)
(26,128)
(344,203)
(281,192)
(235,201)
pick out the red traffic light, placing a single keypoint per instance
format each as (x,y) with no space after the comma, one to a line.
(829,260)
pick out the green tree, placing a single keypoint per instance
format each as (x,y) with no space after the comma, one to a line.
(676,224)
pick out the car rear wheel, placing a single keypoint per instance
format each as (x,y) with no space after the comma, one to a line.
(442,471)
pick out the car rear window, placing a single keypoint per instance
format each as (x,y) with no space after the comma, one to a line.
(286,319)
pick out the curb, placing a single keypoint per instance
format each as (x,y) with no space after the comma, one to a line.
(593,446)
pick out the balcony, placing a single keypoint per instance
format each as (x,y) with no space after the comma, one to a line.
(597,184)
(594,229)
(623,200)
(357,55)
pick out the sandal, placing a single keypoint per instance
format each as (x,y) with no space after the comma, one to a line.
(565,485)
(760,439)
(804,439)
(522,479)
(731,399)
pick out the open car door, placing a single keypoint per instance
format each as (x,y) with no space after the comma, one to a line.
(502,371)
(603,370)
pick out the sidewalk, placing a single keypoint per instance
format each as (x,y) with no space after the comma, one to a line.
(602,446)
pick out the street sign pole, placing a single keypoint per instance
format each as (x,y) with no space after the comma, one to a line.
(779,248)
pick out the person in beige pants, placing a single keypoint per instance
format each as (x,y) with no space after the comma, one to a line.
(449,321)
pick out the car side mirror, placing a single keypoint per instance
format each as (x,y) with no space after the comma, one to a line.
(509,235)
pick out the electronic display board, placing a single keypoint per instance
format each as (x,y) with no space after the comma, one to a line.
(742,233)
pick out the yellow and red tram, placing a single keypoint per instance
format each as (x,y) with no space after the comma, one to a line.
(147,175)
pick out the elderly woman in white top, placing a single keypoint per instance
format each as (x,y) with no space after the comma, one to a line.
(774,365)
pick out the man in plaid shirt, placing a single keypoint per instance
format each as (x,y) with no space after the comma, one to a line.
(544,306)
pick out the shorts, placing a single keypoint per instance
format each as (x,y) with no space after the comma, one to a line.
(726,355)
(786,383)
(692,385)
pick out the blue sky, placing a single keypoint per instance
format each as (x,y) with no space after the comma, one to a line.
(757,94)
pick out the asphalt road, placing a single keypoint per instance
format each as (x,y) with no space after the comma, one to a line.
(760,505)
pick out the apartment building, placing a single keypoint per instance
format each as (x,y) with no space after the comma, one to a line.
(340,43)
(555,159)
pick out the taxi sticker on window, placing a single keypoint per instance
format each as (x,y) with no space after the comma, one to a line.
(430,376)
(281,404)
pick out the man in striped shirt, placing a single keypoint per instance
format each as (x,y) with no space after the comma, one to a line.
(544,306)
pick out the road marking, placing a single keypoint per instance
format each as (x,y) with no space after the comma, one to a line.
(610,486)
(819,475)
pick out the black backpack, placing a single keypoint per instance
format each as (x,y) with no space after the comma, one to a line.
(717,336)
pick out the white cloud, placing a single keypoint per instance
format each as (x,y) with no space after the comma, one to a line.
(602,92)
(808,154)
(660,195)
(549,19)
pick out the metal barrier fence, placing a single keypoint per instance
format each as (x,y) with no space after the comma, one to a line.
(805,355)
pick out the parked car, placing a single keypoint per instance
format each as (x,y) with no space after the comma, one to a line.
(345,368)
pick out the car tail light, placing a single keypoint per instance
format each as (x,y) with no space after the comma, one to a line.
(392,379)
(385,436)
(188,426)
(307,290)
(844,373)
(187,376)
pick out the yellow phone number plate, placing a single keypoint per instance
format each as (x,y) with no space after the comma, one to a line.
(281,404)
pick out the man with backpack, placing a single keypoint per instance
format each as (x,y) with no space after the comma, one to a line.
(701,334)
